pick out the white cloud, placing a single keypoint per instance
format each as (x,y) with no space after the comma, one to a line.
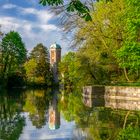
(8,23)
(9,6)
(27,10)
(43,16)
(48,27)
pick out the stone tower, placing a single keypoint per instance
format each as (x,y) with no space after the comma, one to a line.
(55,54)
(55,57)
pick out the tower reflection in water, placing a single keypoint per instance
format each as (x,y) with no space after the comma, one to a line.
(54,114)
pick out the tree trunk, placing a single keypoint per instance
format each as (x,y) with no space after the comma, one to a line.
(125,119)
(126,76)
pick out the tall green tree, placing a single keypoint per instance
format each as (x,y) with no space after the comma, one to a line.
(13,53)
(129,54)
(38,66)
(41,55)
(1,79)
(68,68)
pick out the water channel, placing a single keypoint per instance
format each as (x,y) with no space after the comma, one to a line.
(52,115)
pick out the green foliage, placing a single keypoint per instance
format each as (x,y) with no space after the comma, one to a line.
(11,122)
(76,70)
(90,70)
(37,103)
(51,2)
(41,55)
(81,9)
(13,53)
(129,54)
(73,6)
(68,68)
(129,133)
(71,105)
(30,67)
(38,66)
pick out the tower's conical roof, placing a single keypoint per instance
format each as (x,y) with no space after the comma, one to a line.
(55,46)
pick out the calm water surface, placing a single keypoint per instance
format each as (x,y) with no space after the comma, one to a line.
(49,115)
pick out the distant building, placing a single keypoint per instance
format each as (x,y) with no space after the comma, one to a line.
(55,53)
(55,58)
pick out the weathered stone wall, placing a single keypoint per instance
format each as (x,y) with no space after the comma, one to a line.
(122,104)
(118,97)
(122,91)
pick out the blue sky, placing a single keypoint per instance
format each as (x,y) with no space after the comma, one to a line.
(35,23)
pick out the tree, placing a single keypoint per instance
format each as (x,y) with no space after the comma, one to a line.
(68,68)
(38,66)
(131,132)
(129,54)
(1,35)
(11,121)
(41,55)
(37,104)
(13,53)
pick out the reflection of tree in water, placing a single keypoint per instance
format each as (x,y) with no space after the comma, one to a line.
(129,133)
(71,105)
(108,123)
(99,123)
(11,123)
(36,104)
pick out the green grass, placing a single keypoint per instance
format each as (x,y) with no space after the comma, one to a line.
(127,84)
